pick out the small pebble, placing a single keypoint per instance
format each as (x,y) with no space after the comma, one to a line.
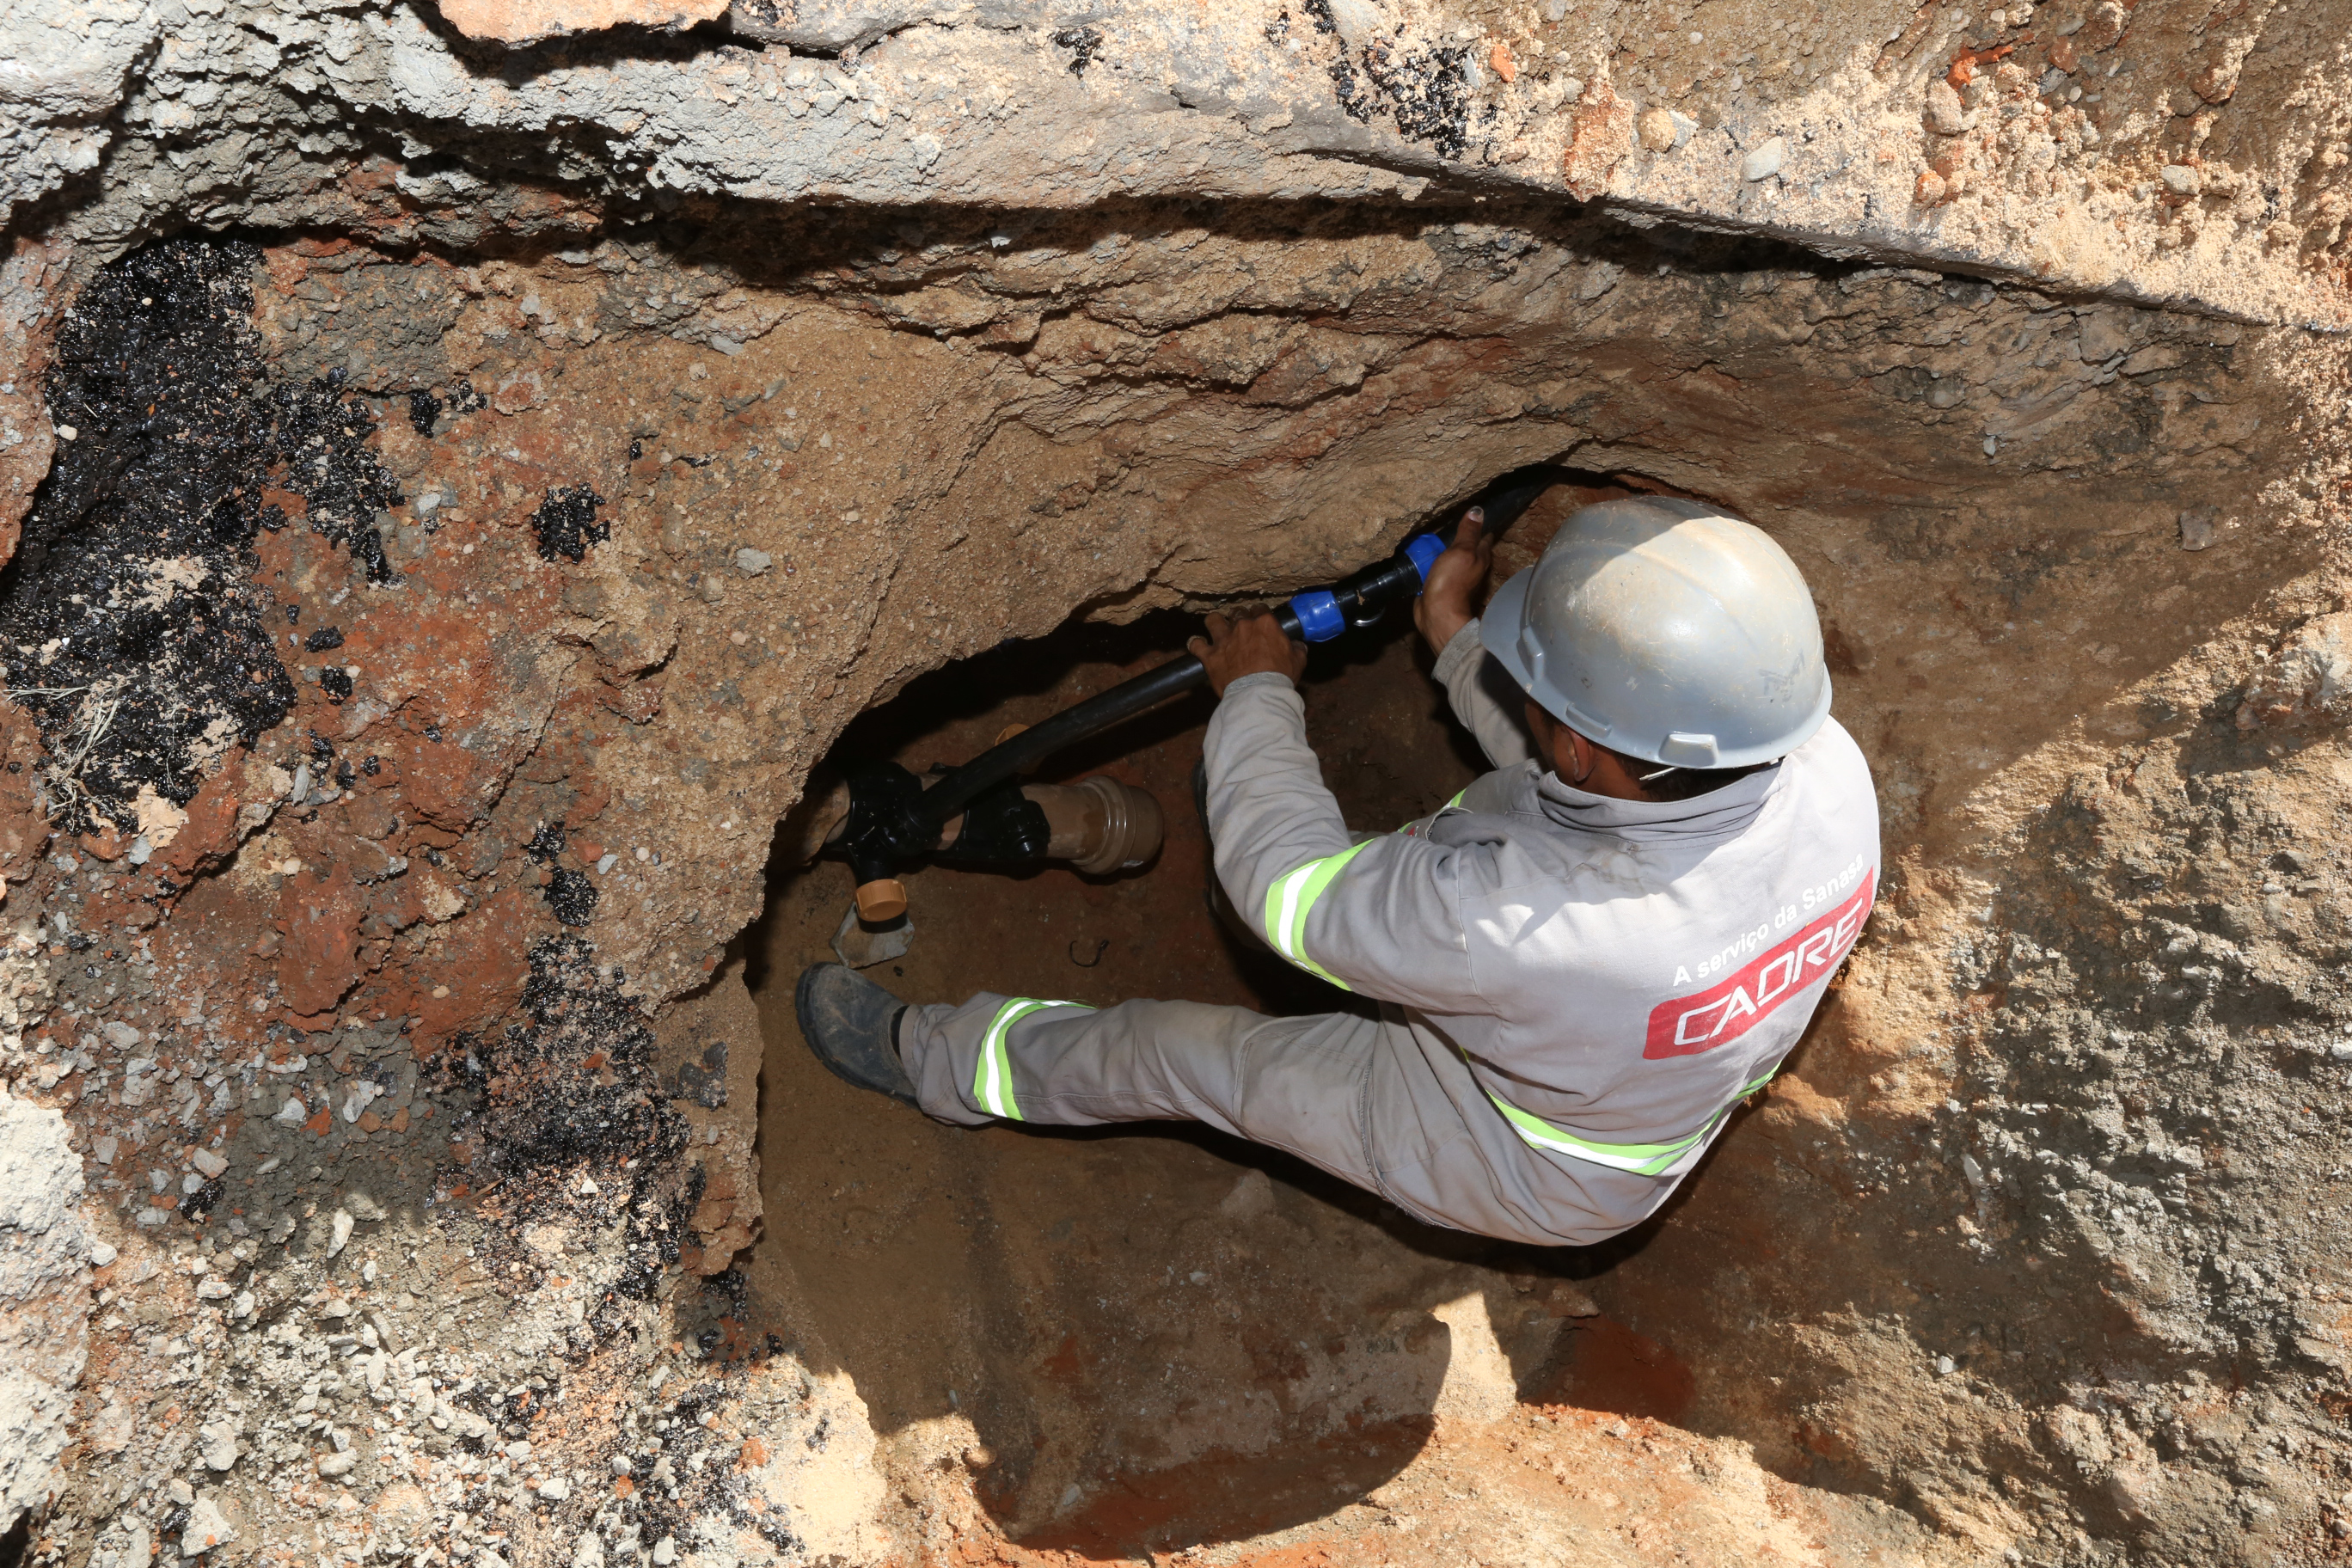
(752,562)
(67,433)
(339,1464)
(217,1444)
(1763,163)
(210,1163)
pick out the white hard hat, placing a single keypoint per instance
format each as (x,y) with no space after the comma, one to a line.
(1666,631)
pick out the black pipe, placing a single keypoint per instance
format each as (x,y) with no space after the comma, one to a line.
(891,823)
(961,785)
(1358,600)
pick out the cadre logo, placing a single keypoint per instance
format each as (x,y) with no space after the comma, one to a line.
(1731,1007)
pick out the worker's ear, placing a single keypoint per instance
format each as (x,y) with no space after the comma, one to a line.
(1575,757)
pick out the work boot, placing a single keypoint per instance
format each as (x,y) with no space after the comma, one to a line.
(852,1025)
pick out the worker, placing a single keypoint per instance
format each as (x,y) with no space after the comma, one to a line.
(1584,962)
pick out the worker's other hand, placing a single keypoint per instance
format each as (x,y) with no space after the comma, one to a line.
(1255,645)
(1448,599)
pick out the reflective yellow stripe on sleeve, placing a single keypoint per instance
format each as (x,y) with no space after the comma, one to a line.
(1642,1159)
(1292,898)
(991,1077)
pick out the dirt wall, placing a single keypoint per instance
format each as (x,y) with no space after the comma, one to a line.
(430,596)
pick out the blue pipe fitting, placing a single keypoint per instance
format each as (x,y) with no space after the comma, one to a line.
(1320,619)
(1423,550)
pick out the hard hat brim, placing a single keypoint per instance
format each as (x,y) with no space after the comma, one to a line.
(1499,628)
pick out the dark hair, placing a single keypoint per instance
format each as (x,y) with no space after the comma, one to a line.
(1682,784)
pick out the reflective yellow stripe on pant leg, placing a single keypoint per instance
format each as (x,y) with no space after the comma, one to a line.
(1643,1159)
(991,1078)
(1291,899)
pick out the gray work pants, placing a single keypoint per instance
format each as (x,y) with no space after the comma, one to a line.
(1384,1103)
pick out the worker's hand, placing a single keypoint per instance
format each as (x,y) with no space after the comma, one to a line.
(1448,599)
(1252,646)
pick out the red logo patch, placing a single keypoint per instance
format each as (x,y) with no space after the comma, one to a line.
(1736,1003)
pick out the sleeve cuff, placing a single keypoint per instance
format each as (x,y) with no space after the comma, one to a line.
(1249,682)
(1467,647)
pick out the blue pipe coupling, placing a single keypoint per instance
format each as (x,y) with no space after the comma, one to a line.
(1320,618)
(1423,550)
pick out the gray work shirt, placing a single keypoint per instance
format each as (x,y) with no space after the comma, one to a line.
(1617,974)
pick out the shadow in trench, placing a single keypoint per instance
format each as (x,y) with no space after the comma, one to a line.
(1151,1336)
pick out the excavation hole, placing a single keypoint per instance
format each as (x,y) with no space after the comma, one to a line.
(1152,1336)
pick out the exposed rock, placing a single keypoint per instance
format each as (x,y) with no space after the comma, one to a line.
(2306,681)
(44,1300)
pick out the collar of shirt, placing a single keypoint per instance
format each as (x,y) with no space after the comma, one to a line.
(1719,814)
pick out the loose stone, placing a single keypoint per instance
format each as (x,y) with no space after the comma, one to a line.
(217,1444)
(206,1527)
